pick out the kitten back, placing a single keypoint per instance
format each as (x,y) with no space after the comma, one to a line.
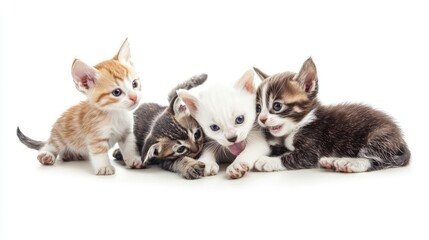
(33,144)
(188,84)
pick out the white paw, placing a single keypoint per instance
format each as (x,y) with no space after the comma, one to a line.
(46,158)
(269,164)
(134,162)
(211,169)
(237,170)
(106,170)
(347,165)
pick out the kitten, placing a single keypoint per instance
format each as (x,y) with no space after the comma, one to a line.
(169,136)
(91,128)
(227,116)
(346,137)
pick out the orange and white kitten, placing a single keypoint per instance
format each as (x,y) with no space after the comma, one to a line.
(91,128)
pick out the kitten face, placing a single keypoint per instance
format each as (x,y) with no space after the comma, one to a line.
(174,134)
(111,84)
(225,113)
(284,99)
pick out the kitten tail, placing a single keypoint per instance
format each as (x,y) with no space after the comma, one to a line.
(190,83)
(33,144)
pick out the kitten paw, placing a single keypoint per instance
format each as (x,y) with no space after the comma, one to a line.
(46,158)
(269,164)
(106,170)
(194,171)
(237,170)
(346,165)
(211,169)
(134,162)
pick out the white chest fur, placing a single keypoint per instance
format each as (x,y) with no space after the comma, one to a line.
(291,137)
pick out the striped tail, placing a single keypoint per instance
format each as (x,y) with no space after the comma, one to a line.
(33,144)
(188,84)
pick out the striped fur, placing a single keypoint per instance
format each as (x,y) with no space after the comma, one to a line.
(91,128)
(303,134)
(162,132)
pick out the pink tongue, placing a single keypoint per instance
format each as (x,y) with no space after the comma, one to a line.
(237,148)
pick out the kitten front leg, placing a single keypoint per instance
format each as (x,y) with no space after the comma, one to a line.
(297,159)
(188,167)
(99,157)
(256,147)
(209,160)
(129,151)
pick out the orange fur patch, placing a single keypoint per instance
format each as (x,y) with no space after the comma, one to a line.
(114,68)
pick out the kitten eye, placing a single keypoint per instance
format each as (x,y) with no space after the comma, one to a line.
(277,106)
(135,84)
(197,134)
(239,119)
(214,127)
(117,92)
(181,149)
(258,108)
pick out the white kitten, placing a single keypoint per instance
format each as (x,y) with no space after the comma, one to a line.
(227,115)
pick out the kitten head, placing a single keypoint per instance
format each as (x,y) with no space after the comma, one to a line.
(226,113)
(111,84)
(284,99)
(174,134)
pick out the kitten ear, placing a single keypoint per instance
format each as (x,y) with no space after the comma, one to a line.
(307,76)
(84,76)
(261,74)
(190,100)
(152,152)
(124,55)
(177,107)
(246,82)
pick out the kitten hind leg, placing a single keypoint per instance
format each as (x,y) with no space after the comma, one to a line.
(47,154)
(346,164)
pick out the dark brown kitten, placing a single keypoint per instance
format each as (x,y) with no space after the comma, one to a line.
(346,137)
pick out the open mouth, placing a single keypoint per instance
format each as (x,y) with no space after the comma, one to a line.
(237,148)
(275,129)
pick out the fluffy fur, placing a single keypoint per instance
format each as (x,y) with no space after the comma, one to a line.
(346,137)
(91,128)
(169,136)
(227,115)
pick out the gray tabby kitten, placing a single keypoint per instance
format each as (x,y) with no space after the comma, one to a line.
(169,136)
(346,137)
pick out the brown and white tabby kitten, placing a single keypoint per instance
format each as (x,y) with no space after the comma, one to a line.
(91,128)
(168,135)
(346,137)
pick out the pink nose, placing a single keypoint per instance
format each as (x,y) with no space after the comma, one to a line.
(133,98)
(263,120)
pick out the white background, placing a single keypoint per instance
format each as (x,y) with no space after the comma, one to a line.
(372,52)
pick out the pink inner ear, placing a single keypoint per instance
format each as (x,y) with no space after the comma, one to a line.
(86,81)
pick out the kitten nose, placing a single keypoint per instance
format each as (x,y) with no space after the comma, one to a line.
(133,98)
(232,139)
(263,120)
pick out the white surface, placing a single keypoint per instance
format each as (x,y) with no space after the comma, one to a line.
(373,52)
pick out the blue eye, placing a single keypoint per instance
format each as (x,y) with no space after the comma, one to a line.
(214,127)
(239,119)
(258,108)
(277,106)
(181,149)
(135,84)
(117,92)
(197,134)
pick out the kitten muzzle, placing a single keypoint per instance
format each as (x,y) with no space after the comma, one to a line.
(275,129)
(237,148)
